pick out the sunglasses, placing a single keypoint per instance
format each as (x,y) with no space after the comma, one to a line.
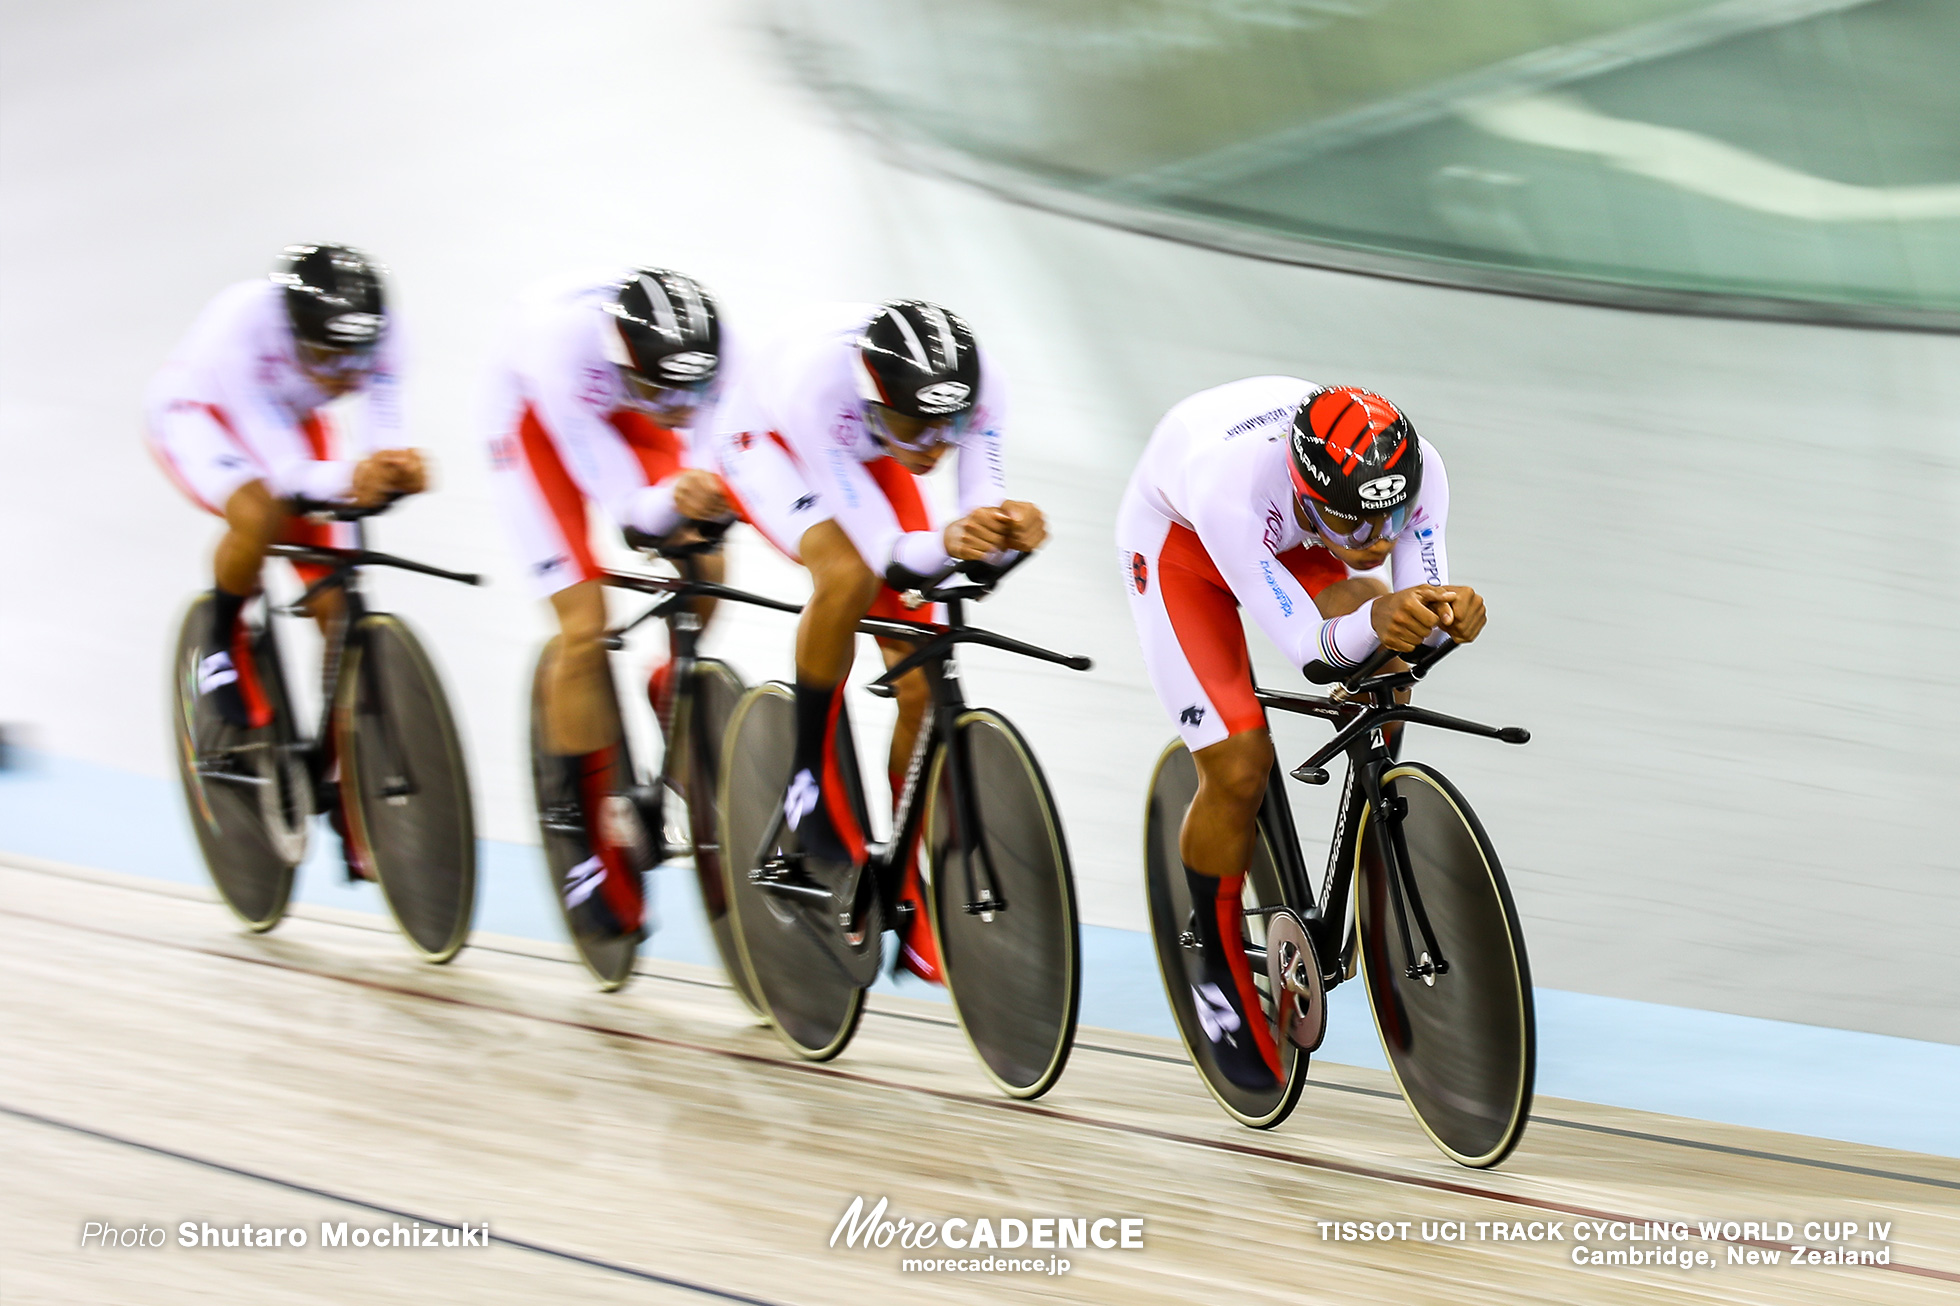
(336,364)
(930,436)
(1357,532)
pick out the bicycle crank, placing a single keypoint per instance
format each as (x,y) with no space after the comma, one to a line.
(1299,995)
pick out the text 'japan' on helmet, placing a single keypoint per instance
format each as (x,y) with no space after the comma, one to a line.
(334,297)
(666,329)
(1355,452)
(918,359)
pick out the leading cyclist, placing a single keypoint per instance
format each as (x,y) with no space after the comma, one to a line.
(1277,495)
(235,420)
(597,381)
(821,441)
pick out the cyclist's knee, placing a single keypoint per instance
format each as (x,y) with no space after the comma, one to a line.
(912,695)
(581,610)
(838,574)
(1234,771)
(254,517)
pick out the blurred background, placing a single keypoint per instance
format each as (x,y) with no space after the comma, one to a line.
(1716,541)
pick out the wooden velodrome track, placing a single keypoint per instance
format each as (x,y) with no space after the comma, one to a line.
(157,1066)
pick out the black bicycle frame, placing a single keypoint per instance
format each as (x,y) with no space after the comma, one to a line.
(675,595)
(933,654)
(1359,708)
(344,569)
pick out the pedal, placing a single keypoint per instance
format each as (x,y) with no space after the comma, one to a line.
(563,818)
(779,876)
(1299,992)
(987,905)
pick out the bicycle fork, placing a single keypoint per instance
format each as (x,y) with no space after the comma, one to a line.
(1390,811)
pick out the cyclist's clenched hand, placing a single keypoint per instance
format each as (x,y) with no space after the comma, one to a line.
(1404,619)
(389,472)
(1466,619)
(1026,527)
(698,496)
(980,533)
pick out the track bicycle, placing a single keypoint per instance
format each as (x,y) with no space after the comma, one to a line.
(384,762)
(705,691)
(1413,900)
(999,891)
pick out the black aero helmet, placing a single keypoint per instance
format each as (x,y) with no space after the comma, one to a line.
(334,297)
(918,359)
(1355,453)
(666,329)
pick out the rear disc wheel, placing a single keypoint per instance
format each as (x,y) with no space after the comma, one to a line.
(1172,787)
(561,831)
(249,797)
(803,988)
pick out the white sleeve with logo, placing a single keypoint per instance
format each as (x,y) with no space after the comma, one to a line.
(982,470)
(1232,528)
(256,382)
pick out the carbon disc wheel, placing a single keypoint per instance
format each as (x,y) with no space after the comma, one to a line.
(405,787)
(561,830)
(1172,787)
(248,795)
(810,1000)
(1014,971)
(1463,1043)
(709,707)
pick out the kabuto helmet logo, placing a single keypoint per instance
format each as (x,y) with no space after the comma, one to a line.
(353,329)
(1383,490)
(1139,572)
(942,397)
(694,365)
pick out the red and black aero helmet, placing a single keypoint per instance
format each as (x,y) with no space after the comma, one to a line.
(920,360)
(1355,453)
(334,297)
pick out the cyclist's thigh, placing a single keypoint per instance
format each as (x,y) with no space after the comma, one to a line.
(770,490)
(199,455)
(1188,624)
(541,506)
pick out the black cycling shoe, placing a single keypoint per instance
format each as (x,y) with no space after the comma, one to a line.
(803,812)
(217,684)
(1222,1016)
(592,917)
(1221,1007)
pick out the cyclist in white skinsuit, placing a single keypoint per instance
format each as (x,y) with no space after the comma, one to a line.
(836,413)
(596,383)
(234,419)
(1276,495)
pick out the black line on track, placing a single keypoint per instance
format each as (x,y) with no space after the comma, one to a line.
(1669,1140)
(394,1213)
(824,1070)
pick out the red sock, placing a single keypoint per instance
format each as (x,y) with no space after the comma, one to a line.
(620,886)
(257,705)
(918,951)
(1231,907)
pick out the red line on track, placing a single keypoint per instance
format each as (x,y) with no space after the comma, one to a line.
(942,1094)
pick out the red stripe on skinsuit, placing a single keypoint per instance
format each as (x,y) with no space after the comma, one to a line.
(561,493)
(1205,618)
